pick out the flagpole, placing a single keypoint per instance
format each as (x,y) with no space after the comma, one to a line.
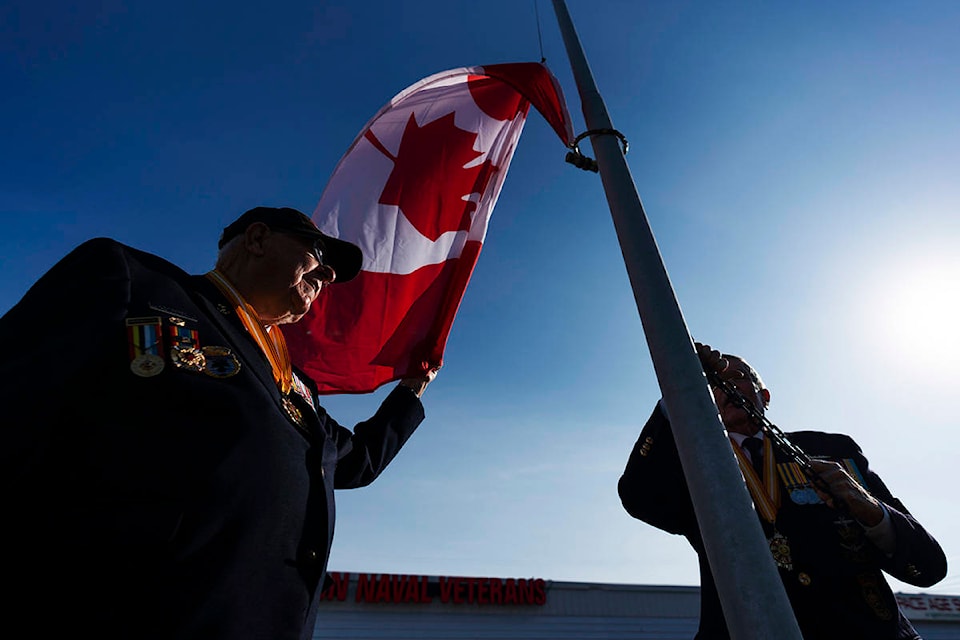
(752,596)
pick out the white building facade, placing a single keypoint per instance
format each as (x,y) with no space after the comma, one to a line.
(359,606)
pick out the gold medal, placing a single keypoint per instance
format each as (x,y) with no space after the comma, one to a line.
(147,365)
(184,346)
(189,358)
(780,548)
(292,411)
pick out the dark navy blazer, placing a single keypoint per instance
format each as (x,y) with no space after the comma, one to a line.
(174,505)
(834,591)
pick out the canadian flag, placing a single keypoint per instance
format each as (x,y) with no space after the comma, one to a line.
(415,192)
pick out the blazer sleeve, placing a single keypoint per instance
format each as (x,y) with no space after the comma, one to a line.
(918,558)
(364,452)
(653,488)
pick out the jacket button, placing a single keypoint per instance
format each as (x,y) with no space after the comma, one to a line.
(309,557)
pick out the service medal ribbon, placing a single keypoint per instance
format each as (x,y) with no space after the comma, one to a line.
(303,391)
(797,484)
(185,346)
(144,337)
(851,467)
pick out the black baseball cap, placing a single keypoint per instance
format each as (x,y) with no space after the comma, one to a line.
(345,257)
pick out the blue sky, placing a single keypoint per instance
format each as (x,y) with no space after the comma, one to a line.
(797,162)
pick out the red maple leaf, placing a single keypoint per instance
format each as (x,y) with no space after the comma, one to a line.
(429,181)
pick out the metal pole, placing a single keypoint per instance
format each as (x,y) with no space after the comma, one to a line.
(752,596)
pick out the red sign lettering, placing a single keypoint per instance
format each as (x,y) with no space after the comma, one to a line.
(404,589)
(365,586)
(338,587)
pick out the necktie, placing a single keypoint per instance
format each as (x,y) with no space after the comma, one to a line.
(754,447)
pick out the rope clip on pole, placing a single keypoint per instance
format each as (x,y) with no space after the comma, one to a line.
(581,161)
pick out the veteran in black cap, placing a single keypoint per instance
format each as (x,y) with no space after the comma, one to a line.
(344,257)
(165,471)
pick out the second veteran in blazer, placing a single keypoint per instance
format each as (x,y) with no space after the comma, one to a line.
(831,562)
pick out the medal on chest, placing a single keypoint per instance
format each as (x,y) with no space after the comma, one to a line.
(145,343)
(780,550)
(292,411)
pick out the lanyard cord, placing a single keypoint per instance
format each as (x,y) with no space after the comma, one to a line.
(271,343)
(777,438)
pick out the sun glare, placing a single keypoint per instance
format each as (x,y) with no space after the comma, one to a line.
(916,311)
